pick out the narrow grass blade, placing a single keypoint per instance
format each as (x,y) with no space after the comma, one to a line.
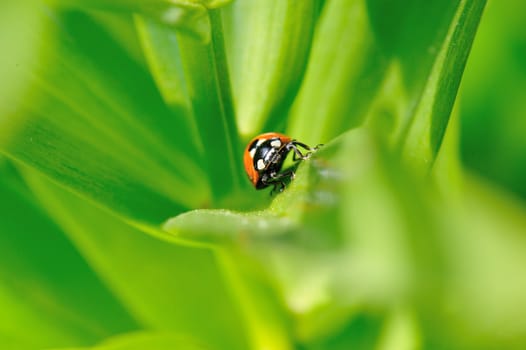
(425,131)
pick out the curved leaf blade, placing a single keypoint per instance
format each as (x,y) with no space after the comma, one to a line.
(425,131)
(96,124)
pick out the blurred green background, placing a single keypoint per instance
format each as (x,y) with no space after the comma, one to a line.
(121,180)
(493,98)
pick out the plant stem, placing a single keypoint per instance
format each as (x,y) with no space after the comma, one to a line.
(207,77)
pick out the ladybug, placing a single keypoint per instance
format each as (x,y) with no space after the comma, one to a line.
(265,155)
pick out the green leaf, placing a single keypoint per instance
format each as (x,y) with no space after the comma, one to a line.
(493,128)
(447,168)
(206,73)
(222,225)
(161,49)
(148,340)
(269,43)
(380,241)
(267,324)
(165,286)
(44,281)
(96,124)
(335,241)
(425,131)
(189,16)
(386,68)
(135,5)
(345,69)
(408,34)
(355,231)
(485,250)
(21,41)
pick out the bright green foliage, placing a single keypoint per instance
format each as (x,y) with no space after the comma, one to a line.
(426,128)
(146,340)
(397,245)
(126,221)
(44,280)
(155,280)
(493,141)
(269,43)
(90,104)
(344,71)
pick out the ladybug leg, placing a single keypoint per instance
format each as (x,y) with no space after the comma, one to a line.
(278,180)
(298,155)
(279,186)
(284,175)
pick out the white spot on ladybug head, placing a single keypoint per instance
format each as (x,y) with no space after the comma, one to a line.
(275,143)
(252,152)
(260,165)
(260,141)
